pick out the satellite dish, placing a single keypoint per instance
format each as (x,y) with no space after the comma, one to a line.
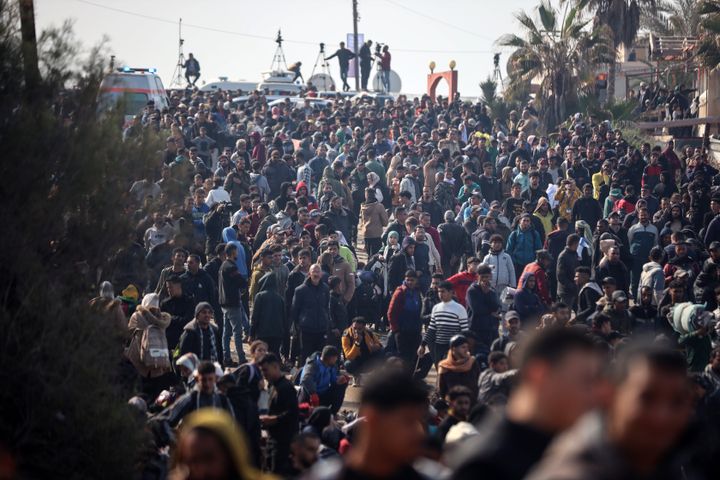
(395,82)
(322,81)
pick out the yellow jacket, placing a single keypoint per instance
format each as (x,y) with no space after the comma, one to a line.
(598,180)
(566,201)
(257,274)
(351,343)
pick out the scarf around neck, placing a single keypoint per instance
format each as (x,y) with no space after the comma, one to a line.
(452,365)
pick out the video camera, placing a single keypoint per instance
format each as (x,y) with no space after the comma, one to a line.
(378,48)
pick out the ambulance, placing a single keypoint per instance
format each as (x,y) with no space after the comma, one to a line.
(132,89)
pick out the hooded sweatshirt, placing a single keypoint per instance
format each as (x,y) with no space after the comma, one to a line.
(229,236)
(547,219)
(527,302)
(652,276)
(268,315)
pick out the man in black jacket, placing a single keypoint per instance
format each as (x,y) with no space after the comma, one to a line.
(281,421)
(344,56)
(201,336)
(229,285)
(587,208)
(567,262)
(310,312)
(180,307)
(197,284)
(588,295)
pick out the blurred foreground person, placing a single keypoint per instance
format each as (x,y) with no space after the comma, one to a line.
(639,435)
(390,438)
(557,383)
(211,447)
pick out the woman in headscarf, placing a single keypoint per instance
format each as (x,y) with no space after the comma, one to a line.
(382,194)
(211,446)
(157,377)
(585,248)
(286,195)
(458,368)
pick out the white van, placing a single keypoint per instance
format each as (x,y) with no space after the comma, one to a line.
(134,87)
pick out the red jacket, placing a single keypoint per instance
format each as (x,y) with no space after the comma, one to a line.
(543,288)
(461,282)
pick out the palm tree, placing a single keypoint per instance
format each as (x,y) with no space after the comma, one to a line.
(622,17)
(497,104)
(671,17)
(708,50)
(557,49)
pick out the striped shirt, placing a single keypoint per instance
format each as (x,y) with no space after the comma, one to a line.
(446,321)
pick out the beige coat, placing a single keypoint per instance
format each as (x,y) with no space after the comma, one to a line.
(373,218)
(139,321)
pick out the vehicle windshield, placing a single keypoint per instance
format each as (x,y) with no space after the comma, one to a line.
(131,103)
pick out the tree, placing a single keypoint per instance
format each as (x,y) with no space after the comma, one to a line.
(708,49)
(558,50)
(622,19)
(65,178)
(497,105)
(671,18)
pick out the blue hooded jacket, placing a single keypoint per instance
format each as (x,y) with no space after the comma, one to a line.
(229,236)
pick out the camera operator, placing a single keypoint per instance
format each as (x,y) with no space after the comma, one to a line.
(192,69)
(344,56)
(366,59)
(384,58)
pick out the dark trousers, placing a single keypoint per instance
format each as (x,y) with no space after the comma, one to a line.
(365,68)
(485,339)
(407,344)
(309,344)
(280,457)
(334,397)
(343,77)
(363,363)
(372,246)
(192,75)
(439,352)
(568,298)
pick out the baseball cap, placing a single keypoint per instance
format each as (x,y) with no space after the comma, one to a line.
(715,245)
(512,314)
(609,281)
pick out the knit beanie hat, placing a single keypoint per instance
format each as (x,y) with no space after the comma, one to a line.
(202,306)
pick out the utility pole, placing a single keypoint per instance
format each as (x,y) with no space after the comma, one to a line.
(355,45)
(29,46)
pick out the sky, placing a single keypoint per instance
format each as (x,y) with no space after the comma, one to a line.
(234,38)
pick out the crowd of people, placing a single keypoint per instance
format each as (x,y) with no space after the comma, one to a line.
(508,305)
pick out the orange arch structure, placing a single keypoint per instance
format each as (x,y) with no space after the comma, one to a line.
(433,80)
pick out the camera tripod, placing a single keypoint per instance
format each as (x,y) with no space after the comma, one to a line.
(324,75)
(278,63)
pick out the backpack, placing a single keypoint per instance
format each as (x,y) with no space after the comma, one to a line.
(154,348)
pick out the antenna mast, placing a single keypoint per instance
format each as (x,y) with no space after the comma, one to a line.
(177,78)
